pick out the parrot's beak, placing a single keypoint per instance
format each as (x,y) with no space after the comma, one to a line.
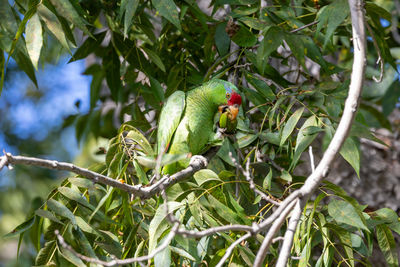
(233,110)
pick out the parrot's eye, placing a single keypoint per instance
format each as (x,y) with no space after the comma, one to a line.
(228,95)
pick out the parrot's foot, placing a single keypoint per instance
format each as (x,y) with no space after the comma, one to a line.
(224,132)
(197,158)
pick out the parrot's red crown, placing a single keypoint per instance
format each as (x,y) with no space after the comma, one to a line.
(235,99)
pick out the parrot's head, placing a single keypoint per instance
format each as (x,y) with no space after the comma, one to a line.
(234,100)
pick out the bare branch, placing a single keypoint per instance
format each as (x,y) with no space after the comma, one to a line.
(136,190)
(214,230)
(262,251)
(357,79)
(3,161)
(350,109)
(115,262)
(64,166)
(310,152)
(288,238)
(229,250)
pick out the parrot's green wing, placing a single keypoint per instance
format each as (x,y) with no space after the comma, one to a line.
(170,117)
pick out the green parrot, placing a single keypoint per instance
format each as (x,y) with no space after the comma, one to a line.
(187,120)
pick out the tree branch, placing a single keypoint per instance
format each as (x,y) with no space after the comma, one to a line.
(115,262)
(262,252)
(136,190)
(357,79)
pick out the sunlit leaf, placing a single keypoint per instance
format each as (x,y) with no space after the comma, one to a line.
(22,227)
(61,210)
(345,213)
(67,10)
(387,245)
(34,39)
(47,214)
(351,153)
(168,10)
(204,176)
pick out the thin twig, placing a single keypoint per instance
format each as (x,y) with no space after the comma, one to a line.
(380,59)
(262,251)
(304,26)
(115,262)
(249,179)
(229,250)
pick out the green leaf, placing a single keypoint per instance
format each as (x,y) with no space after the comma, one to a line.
(23,227)
(168,10)
(45,254)
(244,37)
(290,125)
(130,7)
(67,10)
(351,153)
(155,231)
(344,212)
(89,46)
(83,243)
(222,40)
(223,152)
(51,22)
(182,253)
(261,87)
(34,39)
(74,195)
(387,245)
(110,243)
(81,182)
(47,214)
(163,258)
(267,180)
(285,175)
(296,45)
(112,66)
(139,139)
(154,58)
(245,140)
(391,98)
(140,173)
(272,40)
(61,210)
(157,89)
(303,141)
(85,226)
(71,257)
(390,217)
(224,211)
(332,16)
(205,175)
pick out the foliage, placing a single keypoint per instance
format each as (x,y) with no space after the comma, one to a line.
(293,83)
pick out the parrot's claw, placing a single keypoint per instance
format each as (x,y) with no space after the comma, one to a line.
(196,158)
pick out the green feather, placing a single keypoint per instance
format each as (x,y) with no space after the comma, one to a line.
(195,128)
